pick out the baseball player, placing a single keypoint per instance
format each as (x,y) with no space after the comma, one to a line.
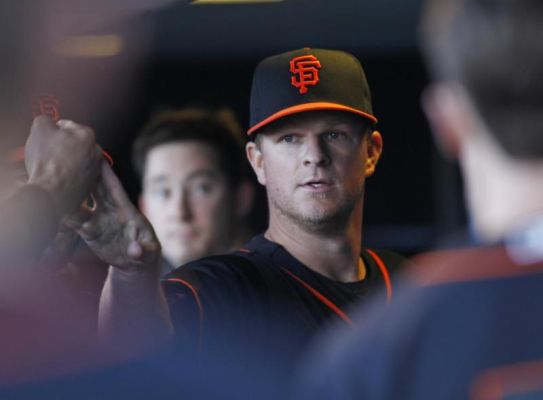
(312,145)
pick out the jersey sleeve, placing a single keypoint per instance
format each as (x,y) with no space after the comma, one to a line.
(212,302)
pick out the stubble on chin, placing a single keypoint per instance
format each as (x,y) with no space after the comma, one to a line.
(319,218)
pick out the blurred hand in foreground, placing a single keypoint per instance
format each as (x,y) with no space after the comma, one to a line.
(63,159)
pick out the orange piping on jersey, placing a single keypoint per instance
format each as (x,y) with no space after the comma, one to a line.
(384,271)
(327,302)
(499,382)
(196,298)
(242,250)
(107,156)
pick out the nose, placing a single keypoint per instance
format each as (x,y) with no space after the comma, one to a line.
(315,152)
(182,209)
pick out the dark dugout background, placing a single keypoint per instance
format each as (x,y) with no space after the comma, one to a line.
(111,64)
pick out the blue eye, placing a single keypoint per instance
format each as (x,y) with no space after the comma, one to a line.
(163,193)
(201,189)
(287,138)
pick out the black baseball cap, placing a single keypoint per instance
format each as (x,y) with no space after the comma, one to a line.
(306,80)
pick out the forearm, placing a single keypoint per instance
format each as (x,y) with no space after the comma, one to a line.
(133,310)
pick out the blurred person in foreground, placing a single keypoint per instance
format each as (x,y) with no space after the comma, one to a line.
(195,179)
(470,325)
(40,336)
(41,183)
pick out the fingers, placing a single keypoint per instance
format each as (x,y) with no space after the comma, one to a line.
(86,212)
(78,218)
(44,125)
(42,128)
(64,159)
(134,251)
(148,237)
(43,122)
(142,240)
(66,123)
(83,131)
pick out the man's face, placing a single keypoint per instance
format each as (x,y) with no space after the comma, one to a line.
(314,166)
(187,199)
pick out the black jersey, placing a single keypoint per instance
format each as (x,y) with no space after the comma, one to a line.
(261,295)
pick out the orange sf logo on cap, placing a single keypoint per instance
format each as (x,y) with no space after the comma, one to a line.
(306,70)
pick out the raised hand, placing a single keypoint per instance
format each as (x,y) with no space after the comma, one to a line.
(116,231)
(64,159)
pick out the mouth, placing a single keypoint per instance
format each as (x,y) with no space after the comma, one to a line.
(317,184)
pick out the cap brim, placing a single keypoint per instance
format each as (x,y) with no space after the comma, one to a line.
(309,107)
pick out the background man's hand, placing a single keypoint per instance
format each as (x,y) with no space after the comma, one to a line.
(116,231)
(63,159)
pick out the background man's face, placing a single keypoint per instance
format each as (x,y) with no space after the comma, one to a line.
(315,167)
(187,200)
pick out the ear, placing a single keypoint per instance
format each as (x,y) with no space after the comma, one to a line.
(447,111)
(254,155)
(245,195)
(374,149)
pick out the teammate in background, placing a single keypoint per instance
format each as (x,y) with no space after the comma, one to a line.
(196,187)
(312,145)
(471,328)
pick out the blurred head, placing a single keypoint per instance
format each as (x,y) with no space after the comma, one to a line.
(492,50)
(486,103)
(195,188)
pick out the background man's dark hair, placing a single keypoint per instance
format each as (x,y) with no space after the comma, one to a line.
(218,129)
(493,48)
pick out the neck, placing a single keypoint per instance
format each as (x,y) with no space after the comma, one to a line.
(334,253)
(504,194)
